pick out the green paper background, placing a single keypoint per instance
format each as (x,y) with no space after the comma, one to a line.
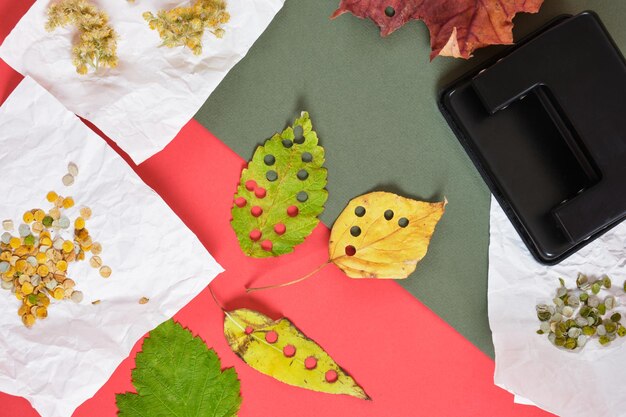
(373,103)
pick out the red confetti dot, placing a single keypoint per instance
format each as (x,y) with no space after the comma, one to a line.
(267,245)
(289,351)
(331,376)
(280,228)
(292,211)
(271,337)
(255,235)
(249,330)
(250,185)
(260,192)
(240,202)
(310,362)
(256,211)
(350,250)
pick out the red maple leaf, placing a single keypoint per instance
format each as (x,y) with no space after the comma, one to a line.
(457,27)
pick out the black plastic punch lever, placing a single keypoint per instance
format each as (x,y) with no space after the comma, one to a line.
(579,77)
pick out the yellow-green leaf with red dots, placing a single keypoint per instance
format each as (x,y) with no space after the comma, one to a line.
(278,349)
(281,192)
(383,235)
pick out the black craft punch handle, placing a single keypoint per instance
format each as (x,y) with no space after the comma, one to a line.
(585,118)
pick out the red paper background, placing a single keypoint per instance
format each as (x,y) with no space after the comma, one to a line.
(409,361)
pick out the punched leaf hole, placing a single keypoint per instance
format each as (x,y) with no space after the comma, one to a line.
(298,134)
(303,174)
(269,160)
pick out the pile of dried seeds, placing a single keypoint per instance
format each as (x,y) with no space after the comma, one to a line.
(34,263)
(580,314)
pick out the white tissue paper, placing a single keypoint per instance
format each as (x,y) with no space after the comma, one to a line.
(144,102)
(573,384)
(64,359)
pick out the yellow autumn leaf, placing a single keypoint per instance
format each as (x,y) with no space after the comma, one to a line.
(280,350)
(383,235)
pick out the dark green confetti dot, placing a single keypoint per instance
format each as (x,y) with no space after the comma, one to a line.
(355,231)
(306,157)
(403,222)
(271,175)
(359,211)
(303,175)
(287,143)
(388,214)
(269,160)
(298,134)
(390,11)
(302,196)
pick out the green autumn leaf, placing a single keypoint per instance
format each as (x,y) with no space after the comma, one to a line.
(280,350)
(176,374)
(281,192)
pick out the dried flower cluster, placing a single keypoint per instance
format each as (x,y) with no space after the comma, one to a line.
(184,26)
(97,41)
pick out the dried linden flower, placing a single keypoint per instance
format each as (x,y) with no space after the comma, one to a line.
(96,46)
(184,26)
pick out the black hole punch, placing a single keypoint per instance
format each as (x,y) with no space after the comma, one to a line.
(388,214)
(302,196)
(359,211)
(271,176)
(298,134)
(287,143)
(390,11)
(269,160)
(403,222)
(355,231)
(307,157)
(303,175)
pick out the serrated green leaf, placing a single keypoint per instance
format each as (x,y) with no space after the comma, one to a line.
(177,375)
(286,161)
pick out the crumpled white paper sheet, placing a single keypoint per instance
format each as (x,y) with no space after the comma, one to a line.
(144,102)
(588,383)
(64,359)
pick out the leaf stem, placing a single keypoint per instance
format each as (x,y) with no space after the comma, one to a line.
(295,281)
(215,299)
(224,310)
